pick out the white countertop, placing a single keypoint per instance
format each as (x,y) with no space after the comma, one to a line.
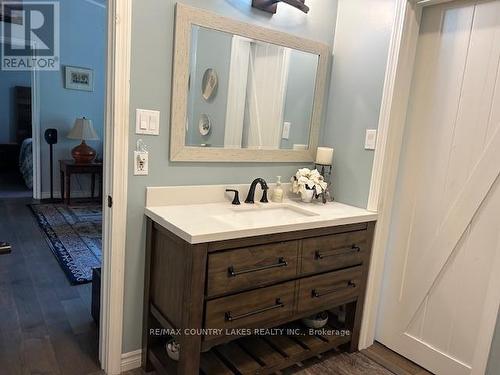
(218,221)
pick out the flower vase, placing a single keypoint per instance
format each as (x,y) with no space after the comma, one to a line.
(307,195)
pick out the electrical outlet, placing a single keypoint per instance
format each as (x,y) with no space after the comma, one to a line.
(370,139)
(141,163)
(285,134)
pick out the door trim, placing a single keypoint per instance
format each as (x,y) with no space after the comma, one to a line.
(115,184)
(36,132)
(397,85)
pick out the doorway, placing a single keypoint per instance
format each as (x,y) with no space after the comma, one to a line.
(444,238)
(19,131)
(47,279)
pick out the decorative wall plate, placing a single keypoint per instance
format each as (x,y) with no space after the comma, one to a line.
(204,124)
(209,84)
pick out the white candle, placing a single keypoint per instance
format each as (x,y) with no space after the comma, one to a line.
(324,155)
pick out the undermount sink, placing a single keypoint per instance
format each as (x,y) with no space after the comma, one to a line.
(262,214)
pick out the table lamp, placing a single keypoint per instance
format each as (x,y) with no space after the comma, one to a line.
(83,130)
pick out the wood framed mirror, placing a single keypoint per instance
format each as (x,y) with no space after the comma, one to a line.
(270,92)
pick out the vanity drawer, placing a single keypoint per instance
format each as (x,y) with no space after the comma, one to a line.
(328,289)
(253,266)
(251,309)
(333,252)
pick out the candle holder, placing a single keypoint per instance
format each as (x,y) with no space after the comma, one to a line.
(326,171)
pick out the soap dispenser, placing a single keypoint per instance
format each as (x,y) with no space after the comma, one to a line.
(278,191)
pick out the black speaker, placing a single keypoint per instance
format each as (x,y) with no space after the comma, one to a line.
(51,139)
(51,136)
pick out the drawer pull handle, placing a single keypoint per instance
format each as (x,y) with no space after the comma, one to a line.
(230,318)
(316,294)
(354,248)
(281,263)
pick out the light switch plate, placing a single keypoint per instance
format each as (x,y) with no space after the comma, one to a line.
(286,130)
(147,122)
(370,139)
(141,163)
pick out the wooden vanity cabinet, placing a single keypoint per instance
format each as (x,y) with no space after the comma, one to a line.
(250,283)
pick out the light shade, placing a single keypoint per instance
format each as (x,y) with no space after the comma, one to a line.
(83,129)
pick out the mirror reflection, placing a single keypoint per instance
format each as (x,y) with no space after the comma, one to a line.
(245,93)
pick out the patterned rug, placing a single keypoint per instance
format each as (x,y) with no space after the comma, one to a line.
(74,235)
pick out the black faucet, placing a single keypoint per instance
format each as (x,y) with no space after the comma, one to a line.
(251,192)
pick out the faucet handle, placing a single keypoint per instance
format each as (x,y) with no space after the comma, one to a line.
(236,199)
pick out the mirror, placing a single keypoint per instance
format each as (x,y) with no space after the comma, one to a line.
(265,97)
(244,93)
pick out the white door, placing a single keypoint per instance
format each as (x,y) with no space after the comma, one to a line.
(445,227)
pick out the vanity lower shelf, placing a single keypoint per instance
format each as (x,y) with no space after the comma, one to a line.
(263,354)
(267,354)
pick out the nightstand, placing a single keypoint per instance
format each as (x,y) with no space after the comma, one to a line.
(69,167)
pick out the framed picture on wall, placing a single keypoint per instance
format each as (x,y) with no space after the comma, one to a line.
(78,78)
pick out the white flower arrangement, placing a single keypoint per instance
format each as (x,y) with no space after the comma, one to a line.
(306,179)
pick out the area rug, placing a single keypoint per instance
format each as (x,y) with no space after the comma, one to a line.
(74,235)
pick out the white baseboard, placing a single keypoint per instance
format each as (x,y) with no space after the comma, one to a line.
(131,360)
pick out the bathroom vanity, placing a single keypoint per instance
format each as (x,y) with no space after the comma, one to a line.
(215,272)
(231,283)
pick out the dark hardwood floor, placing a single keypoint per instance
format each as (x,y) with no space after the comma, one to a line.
(46,326)
(376,360)
(12,185)
(45,323)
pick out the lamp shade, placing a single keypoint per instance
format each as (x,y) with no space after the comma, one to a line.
(324,156)
(83,129)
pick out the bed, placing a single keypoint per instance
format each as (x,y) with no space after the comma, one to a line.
(26,162)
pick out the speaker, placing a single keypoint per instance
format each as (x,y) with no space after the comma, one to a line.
(51,139)
(51,136)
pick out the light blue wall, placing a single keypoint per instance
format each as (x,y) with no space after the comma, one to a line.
(494,361)
(360,55)
(152,45)
(8,81)
(83,44)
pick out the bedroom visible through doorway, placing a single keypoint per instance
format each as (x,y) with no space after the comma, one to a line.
(51,211)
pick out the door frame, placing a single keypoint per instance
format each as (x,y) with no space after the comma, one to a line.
(35,118)
(397,85)
(36,132)
(115,184)
(119,25)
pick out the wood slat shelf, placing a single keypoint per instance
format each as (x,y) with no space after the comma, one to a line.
(268,354)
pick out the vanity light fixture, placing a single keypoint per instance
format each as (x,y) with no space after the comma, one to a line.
(271,6)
